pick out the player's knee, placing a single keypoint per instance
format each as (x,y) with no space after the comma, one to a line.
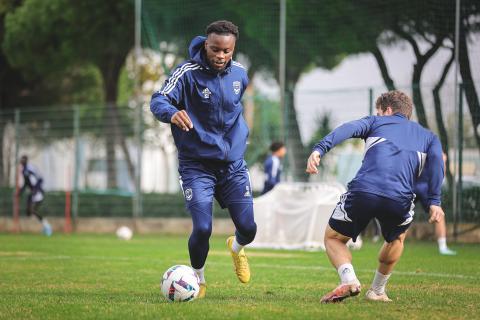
(202,231)
(246,233)
(202,220)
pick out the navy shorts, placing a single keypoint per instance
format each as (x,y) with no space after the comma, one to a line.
(355,210)
(228,182)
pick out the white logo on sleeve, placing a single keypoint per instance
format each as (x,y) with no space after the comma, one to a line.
(247,192)
(236,87)
(188,194)
(206,93)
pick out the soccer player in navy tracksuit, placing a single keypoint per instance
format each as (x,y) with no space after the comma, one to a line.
(202,101)
(421,192)
(34,181)
(272,167)
(397,150)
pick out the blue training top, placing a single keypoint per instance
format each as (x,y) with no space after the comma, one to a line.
(31,179)
(396,152)
(273,170)
(213,102)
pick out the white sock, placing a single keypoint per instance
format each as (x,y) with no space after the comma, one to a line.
(236,247)
(379,282)
(442,243)
(347,274)
(200,273)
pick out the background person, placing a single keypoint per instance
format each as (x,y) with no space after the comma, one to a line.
(272,166)
(421,192)
(34,182)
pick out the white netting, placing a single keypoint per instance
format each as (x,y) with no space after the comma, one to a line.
(295,215)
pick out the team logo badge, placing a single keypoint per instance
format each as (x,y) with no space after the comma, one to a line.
(188,194)
(206,93)
(236,87)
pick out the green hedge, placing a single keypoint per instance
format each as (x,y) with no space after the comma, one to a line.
(117,204)
(106,204)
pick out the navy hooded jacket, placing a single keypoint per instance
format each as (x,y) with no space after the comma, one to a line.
(212,100)
(397,151)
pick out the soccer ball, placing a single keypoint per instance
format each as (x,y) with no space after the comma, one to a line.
(180,283)
(124,233)
(357,245)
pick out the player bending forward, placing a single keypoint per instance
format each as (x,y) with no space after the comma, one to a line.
(202,101)
(396,151)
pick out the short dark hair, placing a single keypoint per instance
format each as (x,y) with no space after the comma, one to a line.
(397,100)
(276,145)
(222,27)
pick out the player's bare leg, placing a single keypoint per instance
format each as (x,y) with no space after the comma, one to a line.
(387,258)
(33,209)
(341,258)
(441,235)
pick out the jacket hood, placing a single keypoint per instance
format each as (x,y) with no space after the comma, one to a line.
(195,49)
(197,54)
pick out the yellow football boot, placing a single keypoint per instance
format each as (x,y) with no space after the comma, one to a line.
(240,262)
(203,291)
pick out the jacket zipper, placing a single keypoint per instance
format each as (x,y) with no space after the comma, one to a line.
(222,94)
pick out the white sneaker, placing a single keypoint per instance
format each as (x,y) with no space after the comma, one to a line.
(447,252)
(372,296)
(47,228)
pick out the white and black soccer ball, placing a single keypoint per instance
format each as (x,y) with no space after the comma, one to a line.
(124,233)
(180,283)
(357,245)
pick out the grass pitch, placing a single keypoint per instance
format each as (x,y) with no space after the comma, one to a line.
(101,277)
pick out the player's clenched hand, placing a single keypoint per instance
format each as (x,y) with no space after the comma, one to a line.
(313,162)
(182,120)
(436,214)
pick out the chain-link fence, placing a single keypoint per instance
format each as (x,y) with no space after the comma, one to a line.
(337,57)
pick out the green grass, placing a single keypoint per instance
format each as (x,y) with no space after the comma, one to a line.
(100,277)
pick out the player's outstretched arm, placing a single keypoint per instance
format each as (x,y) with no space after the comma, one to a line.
(436,214)
(182,120)
(313,162)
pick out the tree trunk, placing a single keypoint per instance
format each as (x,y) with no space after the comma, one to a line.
(382,65)
(110,148)
(442,131)
(113,133)
(422,59)
(417,93)
(469,85)
(297,153)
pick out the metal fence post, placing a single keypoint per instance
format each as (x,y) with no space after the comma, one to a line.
(459,201)
(16,202)
(76,174)
(282,64)
(137,205)
(137,201)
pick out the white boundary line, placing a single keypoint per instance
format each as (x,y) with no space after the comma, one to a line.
(256,265)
